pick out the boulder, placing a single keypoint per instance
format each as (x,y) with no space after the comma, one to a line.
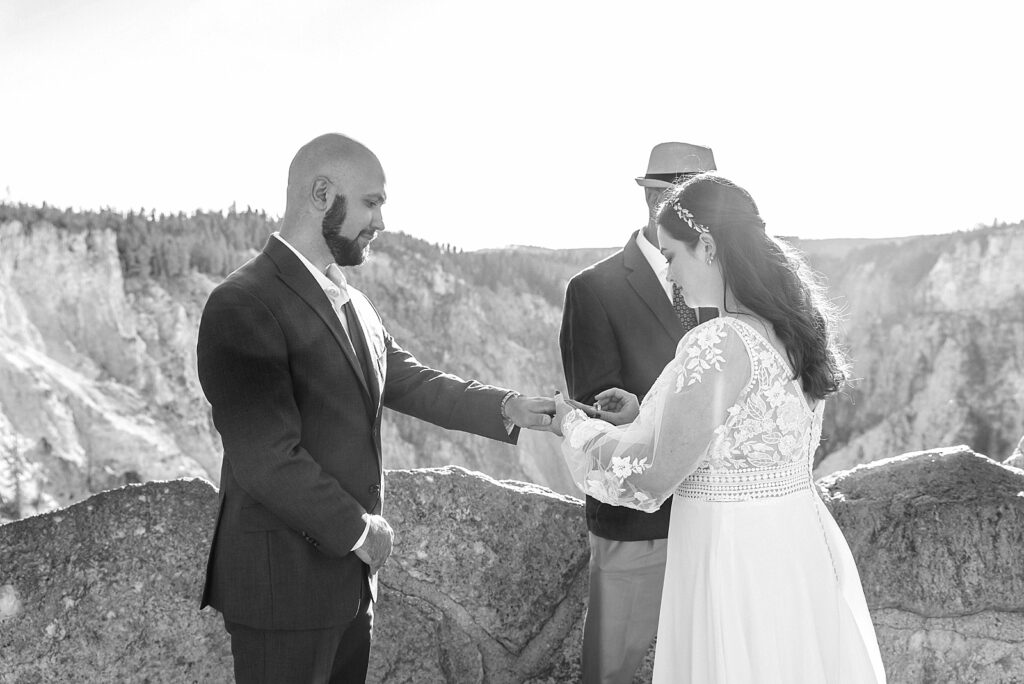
(939,541)
(487,582)
(108,589)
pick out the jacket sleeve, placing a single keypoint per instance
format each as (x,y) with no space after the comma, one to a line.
(441,398)
(639,465)
(244,372)
(590,351)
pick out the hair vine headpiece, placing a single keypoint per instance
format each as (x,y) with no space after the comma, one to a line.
(684,213)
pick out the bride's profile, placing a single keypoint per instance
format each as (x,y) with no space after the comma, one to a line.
(760,585)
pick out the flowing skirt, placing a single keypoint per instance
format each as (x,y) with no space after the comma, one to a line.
(762,591)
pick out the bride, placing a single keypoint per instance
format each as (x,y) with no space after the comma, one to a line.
(760,585)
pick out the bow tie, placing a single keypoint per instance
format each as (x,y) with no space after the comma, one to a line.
(339,293)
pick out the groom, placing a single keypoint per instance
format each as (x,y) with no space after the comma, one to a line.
(297,366)
(621,323)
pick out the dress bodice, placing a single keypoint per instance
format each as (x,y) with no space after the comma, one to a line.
(766,446)
(725,421)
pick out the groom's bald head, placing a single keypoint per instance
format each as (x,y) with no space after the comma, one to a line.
(325,161)
(335,193)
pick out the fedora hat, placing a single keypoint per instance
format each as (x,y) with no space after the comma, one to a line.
(670,160)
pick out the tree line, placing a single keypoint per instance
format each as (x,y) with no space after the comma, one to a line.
(162,246)
(167,246)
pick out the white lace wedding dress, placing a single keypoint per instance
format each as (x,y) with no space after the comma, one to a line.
(760,585)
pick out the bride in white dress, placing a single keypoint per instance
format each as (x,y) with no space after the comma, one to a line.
(760,585)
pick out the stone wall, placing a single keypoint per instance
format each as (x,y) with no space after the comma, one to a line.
(488,579)
(939,542)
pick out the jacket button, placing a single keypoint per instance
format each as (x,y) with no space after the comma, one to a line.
(375,489)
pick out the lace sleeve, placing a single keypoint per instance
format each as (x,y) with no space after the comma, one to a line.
(639,465)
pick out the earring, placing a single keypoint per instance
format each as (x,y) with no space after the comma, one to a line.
(710,259)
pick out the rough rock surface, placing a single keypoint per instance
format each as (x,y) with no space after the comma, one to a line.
(487,582)
(939,542)
(488,587)
(108,590)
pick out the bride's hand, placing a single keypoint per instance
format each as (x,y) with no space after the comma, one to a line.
(562,409)
(618,406)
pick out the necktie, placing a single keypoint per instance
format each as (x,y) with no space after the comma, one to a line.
(355,331)
(355,334)
(334,274)
(687,316)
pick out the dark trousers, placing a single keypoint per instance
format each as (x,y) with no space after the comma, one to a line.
(337,655)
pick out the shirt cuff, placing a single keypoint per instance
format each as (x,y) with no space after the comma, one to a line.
(362,537)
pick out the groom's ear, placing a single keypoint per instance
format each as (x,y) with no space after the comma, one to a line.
(318,192)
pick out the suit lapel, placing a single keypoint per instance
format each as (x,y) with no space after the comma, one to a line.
(373,336)
(298,278)
(645,283)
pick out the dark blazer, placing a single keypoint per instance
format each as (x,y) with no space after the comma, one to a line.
(301,432)
(619,330)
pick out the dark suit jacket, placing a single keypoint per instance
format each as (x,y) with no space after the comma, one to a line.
(301,432)
(619,330)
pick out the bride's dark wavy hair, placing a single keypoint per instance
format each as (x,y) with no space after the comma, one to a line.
(765,274)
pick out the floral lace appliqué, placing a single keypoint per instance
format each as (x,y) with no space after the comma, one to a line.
(769,423)
(701,355)
(609,483)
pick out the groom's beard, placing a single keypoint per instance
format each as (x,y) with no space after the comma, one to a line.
(346,252)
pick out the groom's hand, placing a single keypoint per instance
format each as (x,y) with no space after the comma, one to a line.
(531,412)
(380,539)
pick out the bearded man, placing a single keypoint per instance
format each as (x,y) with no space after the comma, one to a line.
(297,366)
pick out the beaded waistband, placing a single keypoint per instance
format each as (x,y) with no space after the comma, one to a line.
(747,484)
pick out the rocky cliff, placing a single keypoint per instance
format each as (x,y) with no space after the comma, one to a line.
(98,382)
(97,379)
(935,328)
(487,582)
(97,355)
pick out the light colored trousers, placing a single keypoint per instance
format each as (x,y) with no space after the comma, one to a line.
(625,598)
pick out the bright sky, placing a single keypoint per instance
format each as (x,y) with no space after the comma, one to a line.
(523,122)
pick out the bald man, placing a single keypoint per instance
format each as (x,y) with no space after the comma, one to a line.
(297,366)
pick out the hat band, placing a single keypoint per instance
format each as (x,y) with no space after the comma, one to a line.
(672,177)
